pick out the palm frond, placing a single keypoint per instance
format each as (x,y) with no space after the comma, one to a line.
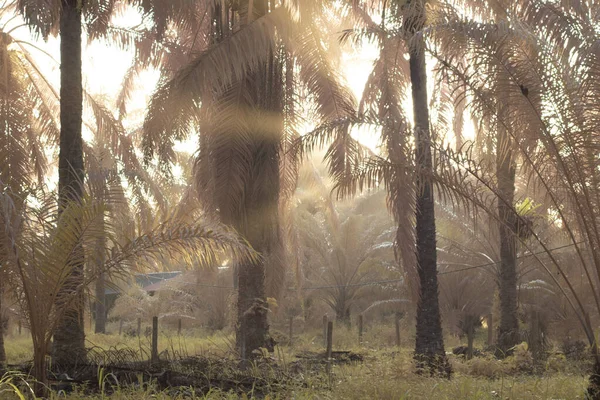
(175,104)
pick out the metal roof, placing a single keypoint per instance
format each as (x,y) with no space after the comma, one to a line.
(146,281)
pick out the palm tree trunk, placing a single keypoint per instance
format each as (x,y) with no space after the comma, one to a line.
(2,349)
(252,328)
(342,310)
(259,220)
(470,320)
(429,348)
(508,328)
(100,301)
(40,372)
(69,337)
(593,389)
(262,232)
(100,308)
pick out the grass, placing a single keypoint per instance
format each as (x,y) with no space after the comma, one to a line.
(385,373)
(390,377)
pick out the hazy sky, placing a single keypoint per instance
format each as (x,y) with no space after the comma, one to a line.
(104,67)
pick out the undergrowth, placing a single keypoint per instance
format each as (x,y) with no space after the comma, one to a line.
(386,372)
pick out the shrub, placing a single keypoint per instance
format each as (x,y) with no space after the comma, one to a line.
(522,359)
(486,367)
(556,363)
(574,350)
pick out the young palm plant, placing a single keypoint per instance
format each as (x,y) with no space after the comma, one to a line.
(42,247)
(26,115)
(342,246)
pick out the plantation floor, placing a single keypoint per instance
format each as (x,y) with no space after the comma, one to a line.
(384,373)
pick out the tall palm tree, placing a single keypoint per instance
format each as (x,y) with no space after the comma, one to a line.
(429,348)
(506,171)
(562,39)
(245,76)
(69,338)
(499,138)
(508,329)
(64,17)
(410,194)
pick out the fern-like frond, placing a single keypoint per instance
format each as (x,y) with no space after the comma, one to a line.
(175,104)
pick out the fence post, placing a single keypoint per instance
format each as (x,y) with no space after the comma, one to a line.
(397,330)
(291,330)
(120,327)
(154,351)
(139,327)
(20,327)
(470,337)
(490,327)
(243,348)
(329,344)
(179,327)
(360,329)
(325,330)
(535,339)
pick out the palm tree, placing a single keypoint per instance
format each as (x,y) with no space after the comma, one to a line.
(506,170)
(409,193)
(110,155)
(341,245)
(429,348)
(508,329)
(245,167)
(38,245)
(499,139)
(466,289)
(64,17)
(69,338)
(553,54)
(26,116)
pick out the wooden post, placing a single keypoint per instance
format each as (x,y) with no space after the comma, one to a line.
(329,344)
(120,327)
(179,327)
(397,330)
(470,337)
(360,329)
(329,338)
(325,330)
(154,351)
(535,339)
(243,348)
(139,327)
(20,327)
(490,332)
(291,330)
